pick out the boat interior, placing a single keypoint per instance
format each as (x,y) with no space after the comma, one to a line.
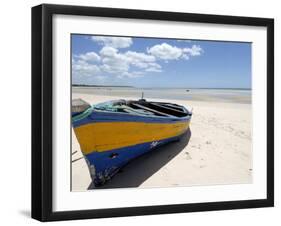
(136,107)
(144,107)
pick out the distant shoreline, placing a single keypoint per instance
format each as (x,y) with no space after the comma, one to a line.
(211,95)
(81,85)
(115,86)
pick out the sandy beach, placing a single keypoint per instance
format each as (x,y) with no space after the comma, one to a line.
(216,150)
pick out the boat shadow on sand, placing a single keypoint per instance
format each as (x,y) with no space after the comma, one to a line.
(140,169)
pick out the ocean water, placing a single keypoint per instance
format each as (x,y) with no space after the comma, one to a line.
(215,95)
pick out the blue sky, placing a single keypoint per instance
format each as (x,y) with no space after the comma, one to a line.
(153,62)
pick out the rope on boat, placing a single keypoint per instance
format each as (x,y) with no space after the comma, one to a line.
(88,111)
(83,115)
(108,107)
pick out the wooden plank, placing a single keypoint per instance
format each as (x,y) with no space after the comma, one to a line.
(152,110)
(79,105)
(172,109)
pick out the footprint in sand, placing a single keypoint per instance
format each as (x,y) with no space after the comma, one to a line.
(187,156)
(196,146)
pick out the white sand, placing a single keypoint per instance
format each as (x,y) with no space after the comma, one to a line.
(217,151)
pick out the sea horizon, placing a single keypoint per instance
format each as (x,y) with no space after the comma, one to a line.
(156,87)
(236,95)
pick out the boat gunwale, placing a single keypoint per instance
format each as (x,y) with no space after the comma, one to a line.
(188,113)
(148,116)
(135,118)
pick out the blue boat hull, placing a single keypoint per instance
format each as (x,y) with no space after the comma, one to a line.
(104,165)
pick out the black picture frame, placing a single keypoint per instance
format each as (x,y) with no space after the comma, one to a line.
(42,106)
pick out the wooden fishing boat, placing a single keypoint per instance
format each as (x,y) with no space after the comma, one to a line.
(111,134)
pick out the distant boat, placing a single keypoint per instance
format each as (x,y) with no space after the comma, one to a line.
(112,133)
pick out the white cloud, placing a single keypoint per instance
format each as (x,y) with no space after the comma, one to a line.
(115,42)
(108,51)
(137,56)
(185,56)
(195,50)
(134,74)
(154,67)
(120,63)
(143,61)
(82,68)
(111,63)
(90,56)
(165,51)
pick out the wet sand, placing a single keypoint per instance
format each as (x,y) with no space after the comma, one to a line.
(216,150)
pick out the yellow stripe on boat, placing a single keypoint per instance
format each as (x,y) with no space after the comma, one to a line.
(104,136)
